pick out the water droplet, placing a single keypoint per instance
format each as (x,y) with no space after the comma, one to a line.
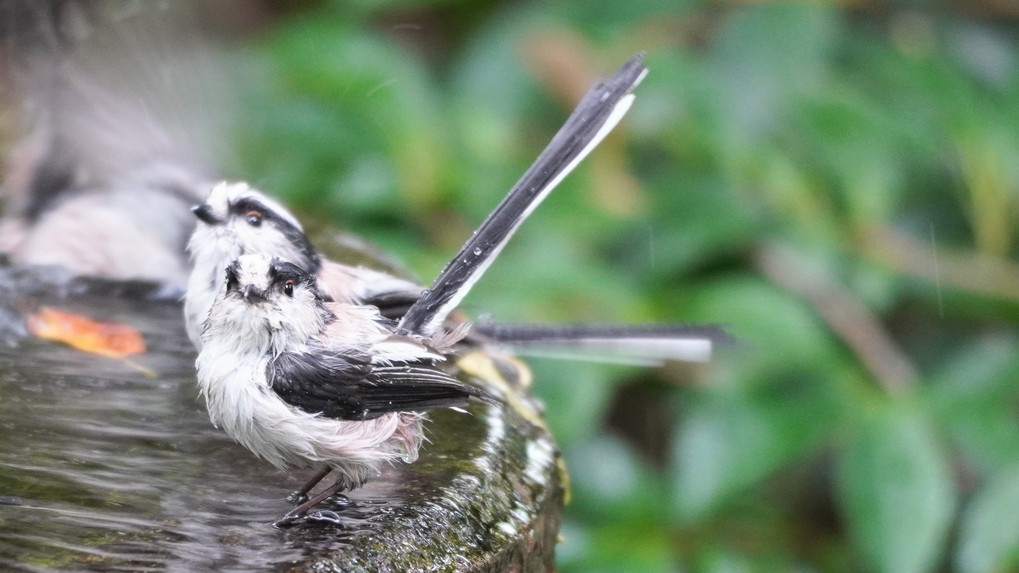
(477,251)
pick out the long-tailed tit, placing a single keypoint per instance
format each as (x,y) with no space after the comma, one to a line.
(301,382)
(280,368)
(237,219)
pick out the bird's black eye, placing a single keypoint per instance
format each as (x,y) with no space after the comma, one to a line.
(253,217)
(288,288)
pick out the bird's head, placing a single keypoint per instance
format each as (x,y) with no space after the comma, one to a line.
(236,220)
(267,301)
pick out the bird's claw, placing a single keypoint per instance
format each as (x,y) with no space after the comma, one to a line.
(292,518)
(325,516)
(287,519)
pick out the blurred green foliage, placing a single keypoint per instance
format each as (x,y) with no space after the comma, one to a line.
(837,186)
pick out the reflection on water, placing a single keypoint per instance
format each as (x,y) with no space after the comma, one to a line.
(105,467)
(101,464)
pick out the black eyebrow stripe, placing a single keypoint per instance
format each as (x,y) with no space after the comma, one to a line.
(293,234)
(245,204)
(281,271)
(298,238)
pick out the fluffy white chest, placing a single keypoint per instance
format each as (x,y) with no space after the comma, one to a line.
(241,402)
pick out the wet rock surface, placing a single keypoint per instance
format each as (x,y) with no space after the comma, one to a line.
(113,465)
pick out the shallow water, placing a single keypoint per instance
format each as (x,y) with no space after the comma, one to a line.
(105,466)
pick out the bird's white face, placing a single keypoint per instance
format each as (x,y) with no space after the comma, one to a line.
(237,220)
(266,304)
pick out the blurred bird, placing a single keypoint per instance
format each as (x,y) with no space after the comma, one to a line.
(119,125)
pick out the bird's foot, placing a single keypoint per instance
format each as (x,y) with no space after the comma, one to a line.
(339,500)
(300,513)
(301,496)
(286,520)
(325,516)
(292,518)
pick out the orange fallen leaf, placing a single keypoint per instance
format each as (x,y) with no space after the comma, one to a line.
(103,338)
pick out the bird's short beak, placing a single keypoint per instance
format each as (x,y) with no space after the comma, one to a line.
(204,214)
(252,295)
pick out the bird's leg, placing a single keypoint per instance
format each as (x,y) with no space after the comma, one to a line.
(294,514)
(301,495)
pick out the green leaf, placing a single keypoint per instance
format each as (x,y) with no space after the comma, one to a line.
(609,479)
(896,492)
(611,546)
(611,20)
(767,54)
(989,537)
(849,140)
(728,442)
(782,331)
(343,119)
(694,216)
(723,559)
(969,393)
(527,281)
(576,395)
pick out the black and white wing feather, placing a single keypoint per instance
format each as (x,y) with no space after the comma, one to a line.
(595,116)
(648,344)
(352,388)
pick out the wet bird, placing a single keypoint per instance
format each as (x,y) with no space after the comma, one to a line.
(303,383)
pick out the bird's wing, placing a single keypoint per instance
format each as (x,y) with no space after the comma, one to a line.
(595,116)
(352,388)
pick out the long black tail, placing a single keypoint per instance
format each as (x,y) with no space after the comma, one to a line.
(642,344)
(596,115)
